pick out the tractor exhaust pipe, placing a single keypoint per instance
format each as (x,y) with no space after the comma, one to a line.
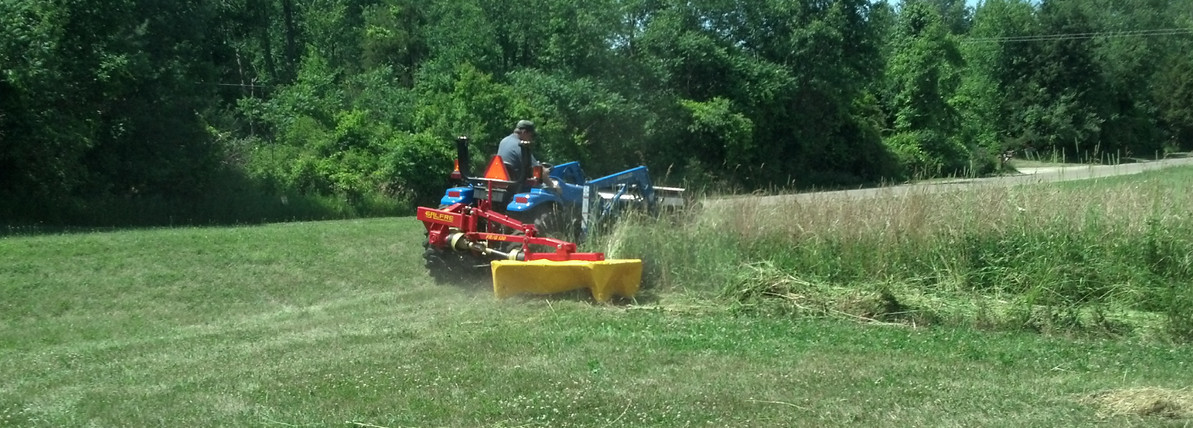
(462,157)
(525,146)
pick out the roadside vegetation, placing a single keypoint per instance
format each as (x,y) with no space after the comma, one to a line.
(1042,306)
(1108,257)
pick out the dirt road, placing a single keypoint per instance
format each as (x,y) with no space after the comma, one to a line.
(1026,176)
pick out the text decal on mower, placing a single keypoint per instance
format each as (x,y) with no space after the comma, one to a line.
(436,216)
(495,237)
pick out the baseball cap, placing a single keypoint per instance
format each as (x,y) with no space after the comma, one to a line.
(525,125)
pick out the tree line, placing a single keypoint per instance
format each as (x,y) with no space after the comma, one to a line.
(186,105)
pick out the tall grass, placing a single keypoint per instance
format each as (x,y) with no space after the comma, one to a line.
(1064,256)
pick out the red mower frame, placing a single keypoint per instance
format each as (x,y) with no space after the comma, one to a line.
(459,228)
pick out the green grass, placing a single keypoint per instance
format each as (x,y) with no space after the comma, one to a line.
(336,324)
(1110,257)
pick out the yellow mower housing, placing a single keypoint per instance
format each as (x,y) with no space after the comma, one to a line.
(605,278)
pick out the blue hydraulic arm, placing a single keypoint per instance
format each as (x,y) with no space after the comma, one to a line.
(620,183)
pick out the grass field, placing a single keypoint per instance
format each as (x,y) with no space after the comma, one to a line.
(336,324)
(1108,256)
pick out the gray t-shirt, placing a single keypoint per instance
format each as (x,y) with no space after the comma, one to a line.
(511,155)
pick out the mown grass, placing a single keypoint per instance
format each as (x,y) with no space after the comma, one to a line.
(335,324)
(1106,256)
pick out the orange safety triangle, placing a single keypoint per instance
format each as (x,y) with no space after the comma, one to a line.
(456,174)
(496,170)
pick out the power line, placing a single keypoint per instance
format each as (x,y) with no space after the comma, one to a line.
(242,85)
(1081,36)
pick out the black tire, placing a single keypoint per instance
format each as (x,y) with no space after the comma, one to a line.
(553,222)
(448,267)
(451,267)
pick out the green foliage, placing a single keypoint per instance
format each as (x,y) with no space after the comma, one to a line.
(1173,91)
(46,162)
(1047,102)
(924,67)
(996,86)
(924,154)
(415,167)
(463,100)
(977,105)
(141,100)
(105,102)
(718,133)
(393,37)
(460,33)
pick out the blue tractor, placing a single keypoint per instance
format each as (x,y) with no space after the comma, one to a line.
(559,200)
(492,217)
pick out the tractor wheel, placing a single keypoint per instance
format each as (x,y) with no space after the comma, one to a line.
(451,267)
(448,267)
(554,222)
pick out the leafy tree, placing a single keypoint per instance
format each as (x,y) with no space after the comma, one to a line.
(414,167)
(332,29)
(1129,65)
(460,33)
(582,119)
(107,100)
(392,37)
(143,100)
(727,131)
(792,69)
(998,84)
(1067,110)
(1173,90)
(956,15)
(924,77)
(44,132)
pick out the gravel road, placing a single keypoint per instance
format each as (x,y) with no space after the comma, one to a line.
(1026,176)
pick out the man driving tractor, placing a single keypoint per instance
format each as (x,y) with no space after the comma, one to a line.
(510,150)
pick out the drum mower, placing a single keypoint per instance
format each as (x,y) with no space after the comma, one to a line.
(520,231)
